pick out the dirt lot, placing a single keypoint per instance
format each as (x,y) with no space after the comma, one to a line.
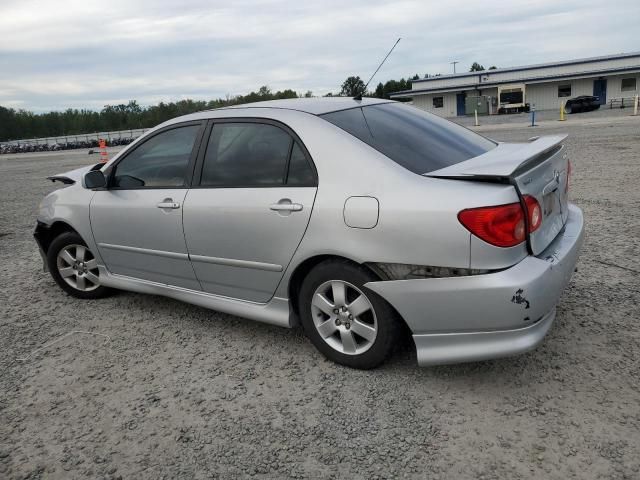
(179,391)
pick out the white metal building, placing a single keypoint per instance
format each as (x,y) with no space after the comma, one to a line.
(544,86)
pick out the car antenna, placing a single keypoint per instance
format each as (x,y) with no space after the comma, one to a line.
(359,96)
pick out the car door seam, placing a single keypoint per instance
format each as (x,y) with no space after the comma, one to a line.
(184,235)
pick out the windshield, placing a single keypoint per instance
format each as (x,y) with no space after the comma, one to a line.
(419,141)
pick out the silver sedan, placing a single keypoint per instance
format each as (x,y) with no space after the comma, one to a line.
(359,219)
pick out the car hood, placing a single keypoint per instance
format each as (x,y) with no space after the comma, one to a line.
(72,176)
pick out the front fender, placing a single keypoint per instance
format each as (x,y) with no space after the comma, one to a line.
(67,206)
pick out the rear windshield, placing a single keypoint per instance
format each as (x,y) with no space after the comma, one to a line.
(417,140)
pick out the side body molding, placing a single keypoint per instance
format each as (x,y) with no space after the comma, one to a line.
(275,312)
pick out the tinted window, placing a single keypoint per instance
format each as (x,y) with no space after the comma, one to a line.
(417,140)
(300,172)
(161,161)
(246,154)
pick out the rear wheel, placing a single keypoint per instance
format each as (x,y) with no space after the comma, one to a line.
(347,322)
(74,267)
(568,108)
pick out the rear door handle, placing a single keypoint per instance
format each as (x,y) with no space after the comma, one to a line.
(167,203)
(285,205)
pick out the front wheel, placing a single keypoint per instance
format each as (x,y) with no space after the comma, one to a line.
(74,267)
(347,322)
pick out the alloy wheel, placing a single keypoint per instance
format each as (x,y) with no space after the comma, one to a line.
(344,317)
(78,267)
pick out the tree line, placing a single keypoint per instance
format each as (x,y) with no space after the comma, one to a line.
(23,124)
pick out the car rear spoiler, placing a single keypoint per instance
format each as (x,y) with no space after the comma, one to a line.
(504,162)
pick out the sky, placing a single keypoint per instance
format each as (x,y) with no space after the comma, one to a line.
(86,53)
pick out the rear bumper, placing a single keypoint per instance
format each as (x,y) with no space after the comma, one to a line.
(462,319)
(444,348)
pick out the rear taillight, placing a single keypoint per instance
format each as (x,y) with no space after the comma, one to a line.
(534,211)
(502,225)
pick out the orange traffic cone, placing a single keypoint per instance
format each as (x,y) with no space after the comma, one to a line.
(103,150)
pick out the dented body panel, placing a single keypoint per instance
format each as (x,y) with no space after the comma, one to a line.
(444,311)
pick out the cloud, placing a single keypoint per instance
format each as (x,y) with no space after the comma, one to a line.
(88,53)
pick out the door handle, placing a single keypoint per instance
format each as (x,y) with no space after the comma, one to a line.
(285,205)
(168,203)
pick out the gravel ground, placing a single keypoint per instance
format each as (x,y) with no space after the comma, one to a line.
(176,391)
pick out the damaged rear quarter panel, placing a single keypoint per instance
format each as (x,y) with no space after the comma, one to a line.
(508,299)
(474,303)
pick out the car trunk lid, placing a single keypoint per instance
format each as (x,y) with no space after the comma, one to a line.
(538,168)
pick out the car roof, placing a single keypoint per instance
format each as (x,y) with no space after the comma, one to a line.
(314,106)
(271,108)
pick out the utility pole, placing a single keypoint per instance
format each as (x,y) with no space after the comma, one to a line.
(454,66)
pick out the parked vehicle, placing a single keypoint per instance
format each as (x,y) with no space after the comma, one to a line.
(511,98)
(582,103)
(351,217)
(26,146)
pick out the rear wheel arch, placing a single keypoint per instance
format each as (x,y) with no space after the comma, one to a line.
(305,267)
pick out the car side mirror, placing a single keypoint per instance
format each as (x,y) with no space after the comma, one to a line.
(95,179)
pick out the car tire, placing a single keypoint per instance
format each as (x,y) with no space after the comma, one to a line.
(359,331)
(74,268)
(568,108)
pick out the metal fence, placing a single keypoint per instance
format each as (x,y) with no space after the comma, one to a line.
(84,137)
(623,102)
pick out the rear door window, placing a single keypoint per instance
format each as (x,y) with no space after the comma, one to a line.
(247,154)
(419,141)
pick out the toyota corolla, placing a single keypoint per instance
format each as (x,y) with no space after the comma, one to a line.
(354,218)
